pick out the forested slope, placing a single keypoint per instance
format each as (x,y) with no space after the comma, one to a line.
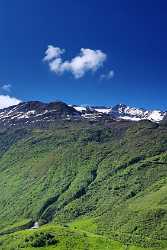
(114,174)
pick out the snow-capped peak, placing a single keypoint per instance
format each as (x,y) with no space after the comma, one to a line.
(124,112)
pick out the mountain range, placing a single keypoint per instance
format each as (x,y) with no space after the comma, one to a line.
(122,112)
(27,113)
(82,178)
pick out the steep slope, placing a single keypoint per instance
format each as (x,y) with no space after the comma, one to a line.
(114,173)
(35,112)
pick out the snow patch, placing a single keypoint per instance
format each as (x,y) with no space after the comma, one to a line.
(79,108)
(104,111)
(130,118)
(156,115)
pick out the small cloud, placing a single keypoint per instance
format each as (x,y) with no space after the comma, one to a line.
(6,87)
(6,101)
(87,60)
(111,74)
(108,76)
(53,53)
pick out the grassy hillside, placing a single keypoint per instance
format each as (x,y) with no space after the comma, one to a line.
(114,174)
(59,237)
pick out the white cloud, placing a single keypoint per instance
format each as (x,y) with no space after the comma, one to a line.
(6,101)
(6,87)
(108,76)
(52,53)
(87,60)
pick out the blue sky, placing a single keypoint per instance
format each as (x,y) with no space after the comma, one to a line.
(126,61)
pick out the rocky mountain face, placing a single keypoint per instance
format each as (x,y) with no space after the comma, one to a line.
(34,112)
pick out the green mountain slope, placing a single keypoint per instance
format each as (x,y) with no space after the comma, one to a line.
(115,174)
(61,238)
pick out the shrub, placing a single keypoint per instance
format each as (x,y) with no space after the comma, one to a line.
(41,240)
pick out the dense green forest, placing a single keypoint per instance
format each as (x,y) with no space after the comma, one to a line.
(89,185)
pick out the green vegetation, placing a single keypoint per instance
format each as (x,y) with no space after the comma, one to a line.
(61,238)
(104,183)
